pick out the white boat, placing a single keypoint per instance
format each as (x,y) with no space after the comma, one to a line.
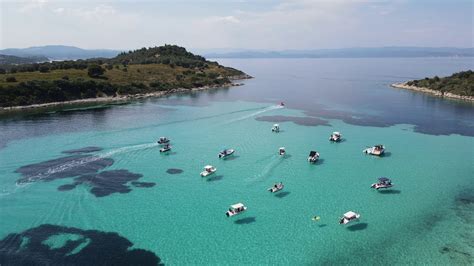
(277,187)
(276,128)
(313,156)
(163,140)
(166,148)
(384,182)
(235,209)
(377,150)
(226,152)
(335,136)
(282,151)
(208,170)
(349,217)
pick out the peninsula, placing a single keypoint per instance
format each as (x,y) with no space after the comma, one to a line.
(457,86)
(141,73)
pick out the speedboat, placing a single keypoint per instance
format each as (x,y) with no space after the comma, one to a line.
(166,148)
(282,151)
(226,152)
(276,128)
(313,156)
(235,209)
(349,217)
(163,140)
(208,170)
(282,104)
(377,150)
(277,187)
(384,182)
(335,136)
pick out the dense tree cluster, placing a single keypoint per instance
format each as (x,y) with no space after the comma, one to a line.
(461,83)
(169,55)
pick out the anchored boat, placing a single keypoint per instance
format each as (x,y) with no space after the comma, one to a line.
(225,153)
(277,187)
(313,156)
(335,136)
(349,217)
(384,182)
(276,128)
(282,151)
(208,170)
(163,140)
(236,209)
(166,148)
(376,150)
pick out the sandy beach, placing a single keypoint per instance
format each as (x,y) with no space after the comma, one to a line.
(403,85)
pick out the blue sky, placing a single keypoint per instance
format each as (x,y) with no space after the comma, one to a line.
(264,24)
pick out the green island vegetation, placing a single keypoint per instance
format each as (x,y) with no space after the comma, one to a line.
(461,83)
(146,70)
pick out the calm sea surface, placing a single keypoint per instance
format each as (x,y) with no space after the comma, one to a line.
(89,186)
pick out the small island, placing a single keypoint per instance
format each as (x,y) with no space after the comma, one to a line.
(135,74)
(457,86)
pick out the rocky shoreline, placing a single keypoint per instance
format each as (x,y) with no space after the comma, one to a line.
(404,85)
(121,98)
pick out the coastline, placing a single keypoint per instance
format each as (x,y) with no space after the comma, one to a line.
(121,99)
(403,85)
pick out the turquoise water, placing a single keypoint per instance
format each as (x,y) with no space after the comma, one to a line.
(425,219)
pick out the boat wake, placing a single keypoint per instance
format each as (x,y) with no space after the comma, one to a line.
(267,170)
(264,110)
(82,161)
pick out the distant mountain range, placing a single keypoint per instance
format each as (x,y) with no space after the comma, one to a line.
(348,53)
(62,52)
(15,60)
(59,52)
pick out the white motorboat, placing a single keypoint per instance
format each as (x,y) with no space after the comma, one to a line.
(166,148)
(226,152)
(163,140)
(235,209)
(335,136)
(384,182)
(349,217)
(282,151)
(277,187)
(313,156)
(208,170)
(276,128)
(376,150)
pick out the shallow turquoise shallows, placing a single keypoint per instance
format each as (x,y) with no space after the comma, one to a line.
(426,218)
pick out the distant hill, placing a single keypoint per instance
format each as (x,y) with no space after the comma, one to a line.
(60,52)
(349,53)
(16,60)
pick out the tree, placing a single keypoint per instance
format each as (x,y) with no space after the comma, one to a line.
(43,69)
(2,71)
(10,79)
(95,71)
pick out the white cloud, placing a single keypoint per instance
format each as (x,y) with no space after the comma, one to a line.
(31,5)
(58,10)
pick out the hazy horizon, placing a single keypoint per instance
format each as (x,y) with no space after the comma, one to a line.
(237,25)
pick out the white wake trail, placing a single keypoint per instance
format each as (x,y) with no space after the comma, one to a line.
(264,110)
(86,160)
